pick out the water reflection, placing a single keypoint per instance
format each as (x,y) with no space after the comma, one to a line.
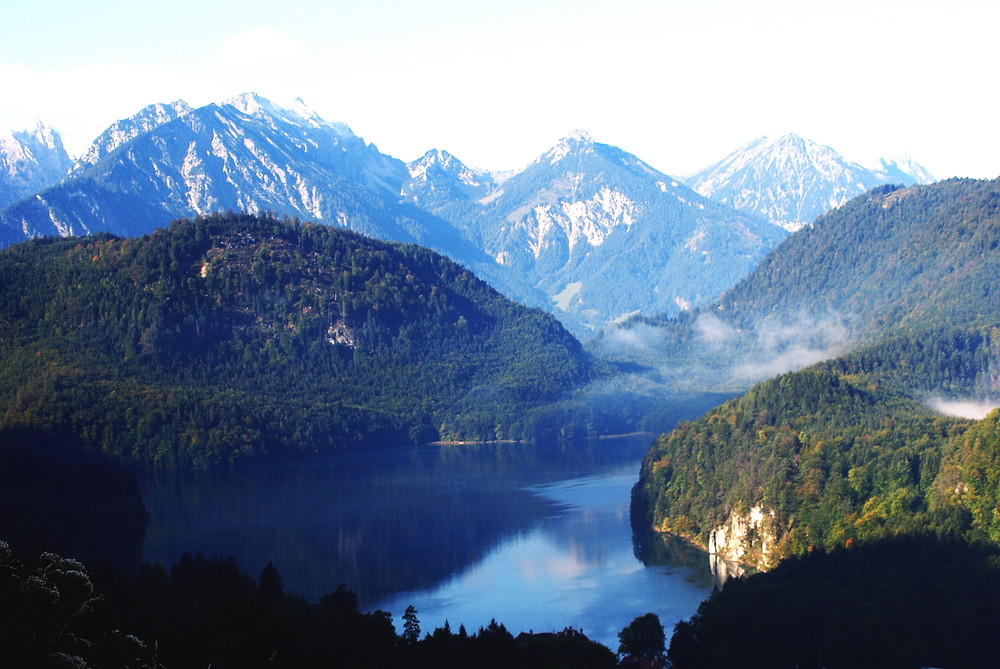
(536,536)
(574,568)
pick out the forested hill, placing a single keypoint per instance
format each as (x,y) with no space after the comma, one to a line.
(234,337)
(842,451)
(852,448)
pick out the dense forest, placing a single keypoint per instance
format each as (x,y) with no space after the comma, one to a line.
(847,449)
(891,261)
(235,337)
(841,451)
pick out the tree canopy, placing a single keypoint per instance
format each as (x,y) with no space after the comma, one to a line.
(234,337)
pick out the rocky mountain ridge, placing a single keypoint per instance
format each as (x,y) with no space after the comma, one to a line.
(599,232)
(587,231)
(30,160)
(791,180)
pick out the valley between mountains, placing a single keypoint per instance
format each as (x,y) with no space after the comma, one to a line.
(243,283)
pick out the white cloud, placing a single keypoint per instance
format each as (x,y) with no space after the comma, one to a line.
(789,345)
(713,331)
(636,337)
(975,409)
(793,358)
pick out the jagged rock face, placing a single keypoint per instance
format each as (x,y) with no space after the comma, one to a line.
(30,160)
(744,539)
(438,179)
(790,180)
(602,234)
(125,130)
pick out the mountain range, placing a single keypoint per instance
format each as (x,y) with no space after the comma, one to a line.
(602,234)
(587,231)
(790,180)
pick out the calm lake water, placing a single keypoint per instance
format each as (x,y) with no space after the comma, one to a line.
(536,536)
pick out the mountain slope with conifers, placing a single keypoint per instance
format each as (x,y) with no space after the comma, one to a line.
(891,261)
(235,337)
(838,452)
(850,449)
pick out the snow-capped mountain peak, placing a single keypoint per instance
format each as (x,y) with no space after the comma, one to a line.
(42,135)
(903,169)
(439,174)
(434,158)
(579,136)
(121,132)
(791,180)
(575,141)
(250,103)
(297,114)
(305,111)
(30,160)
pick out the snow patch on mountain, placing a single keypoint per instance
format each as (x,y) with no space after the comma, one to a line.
(692,244)
(563,298)
(30,160)
(576,140)
(590,220)
(196,181)
(791,180)
(491,197)
(121,132)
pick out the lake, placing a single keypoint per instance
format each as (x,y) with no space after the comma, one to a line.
(536,536)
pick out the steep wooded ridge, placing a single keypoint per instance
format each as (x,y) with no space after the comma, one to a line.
(234,337)
(891,261)
(849,449)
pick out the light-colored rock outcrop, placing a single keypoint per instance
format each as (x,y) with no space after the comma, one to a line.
(745,539)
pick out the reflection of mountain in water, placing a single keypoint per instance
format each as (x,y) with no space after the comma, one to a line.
(399,519)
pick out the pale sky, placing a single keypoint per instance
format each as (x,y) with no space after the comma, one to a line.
(679,84)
